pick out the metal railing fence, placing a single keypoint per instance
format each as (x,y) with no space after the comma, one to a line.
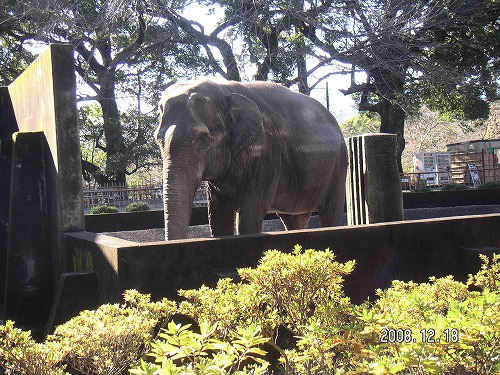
(120,196)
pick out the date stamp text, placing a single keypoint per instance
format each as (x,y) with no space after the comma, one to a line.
(425,335)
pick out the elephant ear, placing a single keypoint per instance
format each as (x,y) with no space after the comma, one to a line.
(247,126)
(199,106)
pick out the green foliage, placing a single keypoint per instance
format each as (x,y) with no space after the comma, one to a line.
(454,187)
(431,328)
(182,351)
(284,289)
(362,123)
(410,317)
(112,338)
(422,190)
(229,306)
(299,285)
(456,103)
(12,61)
(490,185)
(437,327)
(19,353)
(301,291)
(137,207)
(103,210)
(489,275)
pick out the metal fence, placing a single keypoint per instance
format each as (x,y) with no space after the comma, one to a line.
(436,180)
(120,196)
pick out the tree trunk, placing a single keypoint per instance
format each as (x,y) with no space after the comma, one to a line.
(115,145)
(392,120)
(302,74)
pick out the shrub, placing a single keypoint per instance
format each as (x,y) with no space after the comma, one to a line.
(295,291)
(490,185)
(137,207)
(454,187)
(112,338)
(108,340)
(437,327)
(421,190)
(299,285)
(103,210)
(488,276)
(431,328)
(181,351)
(19,353)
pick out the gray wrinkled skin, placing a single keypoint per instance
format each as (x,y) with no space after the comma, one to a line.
(261,146)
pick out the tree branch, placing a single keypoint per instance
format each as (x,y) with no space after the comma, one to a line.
(224,48)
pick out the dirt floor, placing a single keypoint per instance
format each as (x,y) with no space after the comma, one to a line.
(202,231)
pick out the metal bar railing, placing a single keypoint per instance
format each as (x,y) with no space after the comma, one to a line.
(121,196)
(436,180)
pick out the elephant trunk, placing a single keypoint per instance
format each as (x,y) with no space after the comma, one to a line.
(178,195)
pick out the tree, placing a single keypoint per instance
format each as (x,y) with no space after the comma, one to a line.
(446,51)
(121,48)
(360,124)
(407,51)
(277,42)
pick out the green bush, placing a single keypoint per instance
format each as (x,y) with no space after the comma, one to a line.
(421,190)
(108,340)
(20,353)
(439,327)
(137,207)
(103,210)
(112,338)
(181,351)
(490,185)
(454,187)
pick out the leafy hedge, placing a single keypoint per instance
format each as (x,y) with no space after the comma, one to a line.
(96,210)
(289,315)
(454,187)
(137,207)
(490,185)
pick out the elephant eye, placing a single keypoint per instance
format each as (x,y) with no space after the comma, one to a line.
(204,141)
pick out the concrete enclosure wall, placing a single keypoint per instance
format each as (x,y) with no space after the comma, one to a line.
(40,159)
(411,250)
(44,99)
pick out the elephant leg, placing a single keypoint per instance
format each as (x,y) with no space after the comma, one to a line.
(292,222)
(330,214)
(220,214)
(249,219)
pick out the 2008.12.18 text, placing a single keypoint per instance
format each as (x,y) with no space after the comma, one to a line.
(426,335)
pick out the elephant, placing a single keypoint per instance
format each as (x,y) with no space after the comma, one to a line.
(260,146)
